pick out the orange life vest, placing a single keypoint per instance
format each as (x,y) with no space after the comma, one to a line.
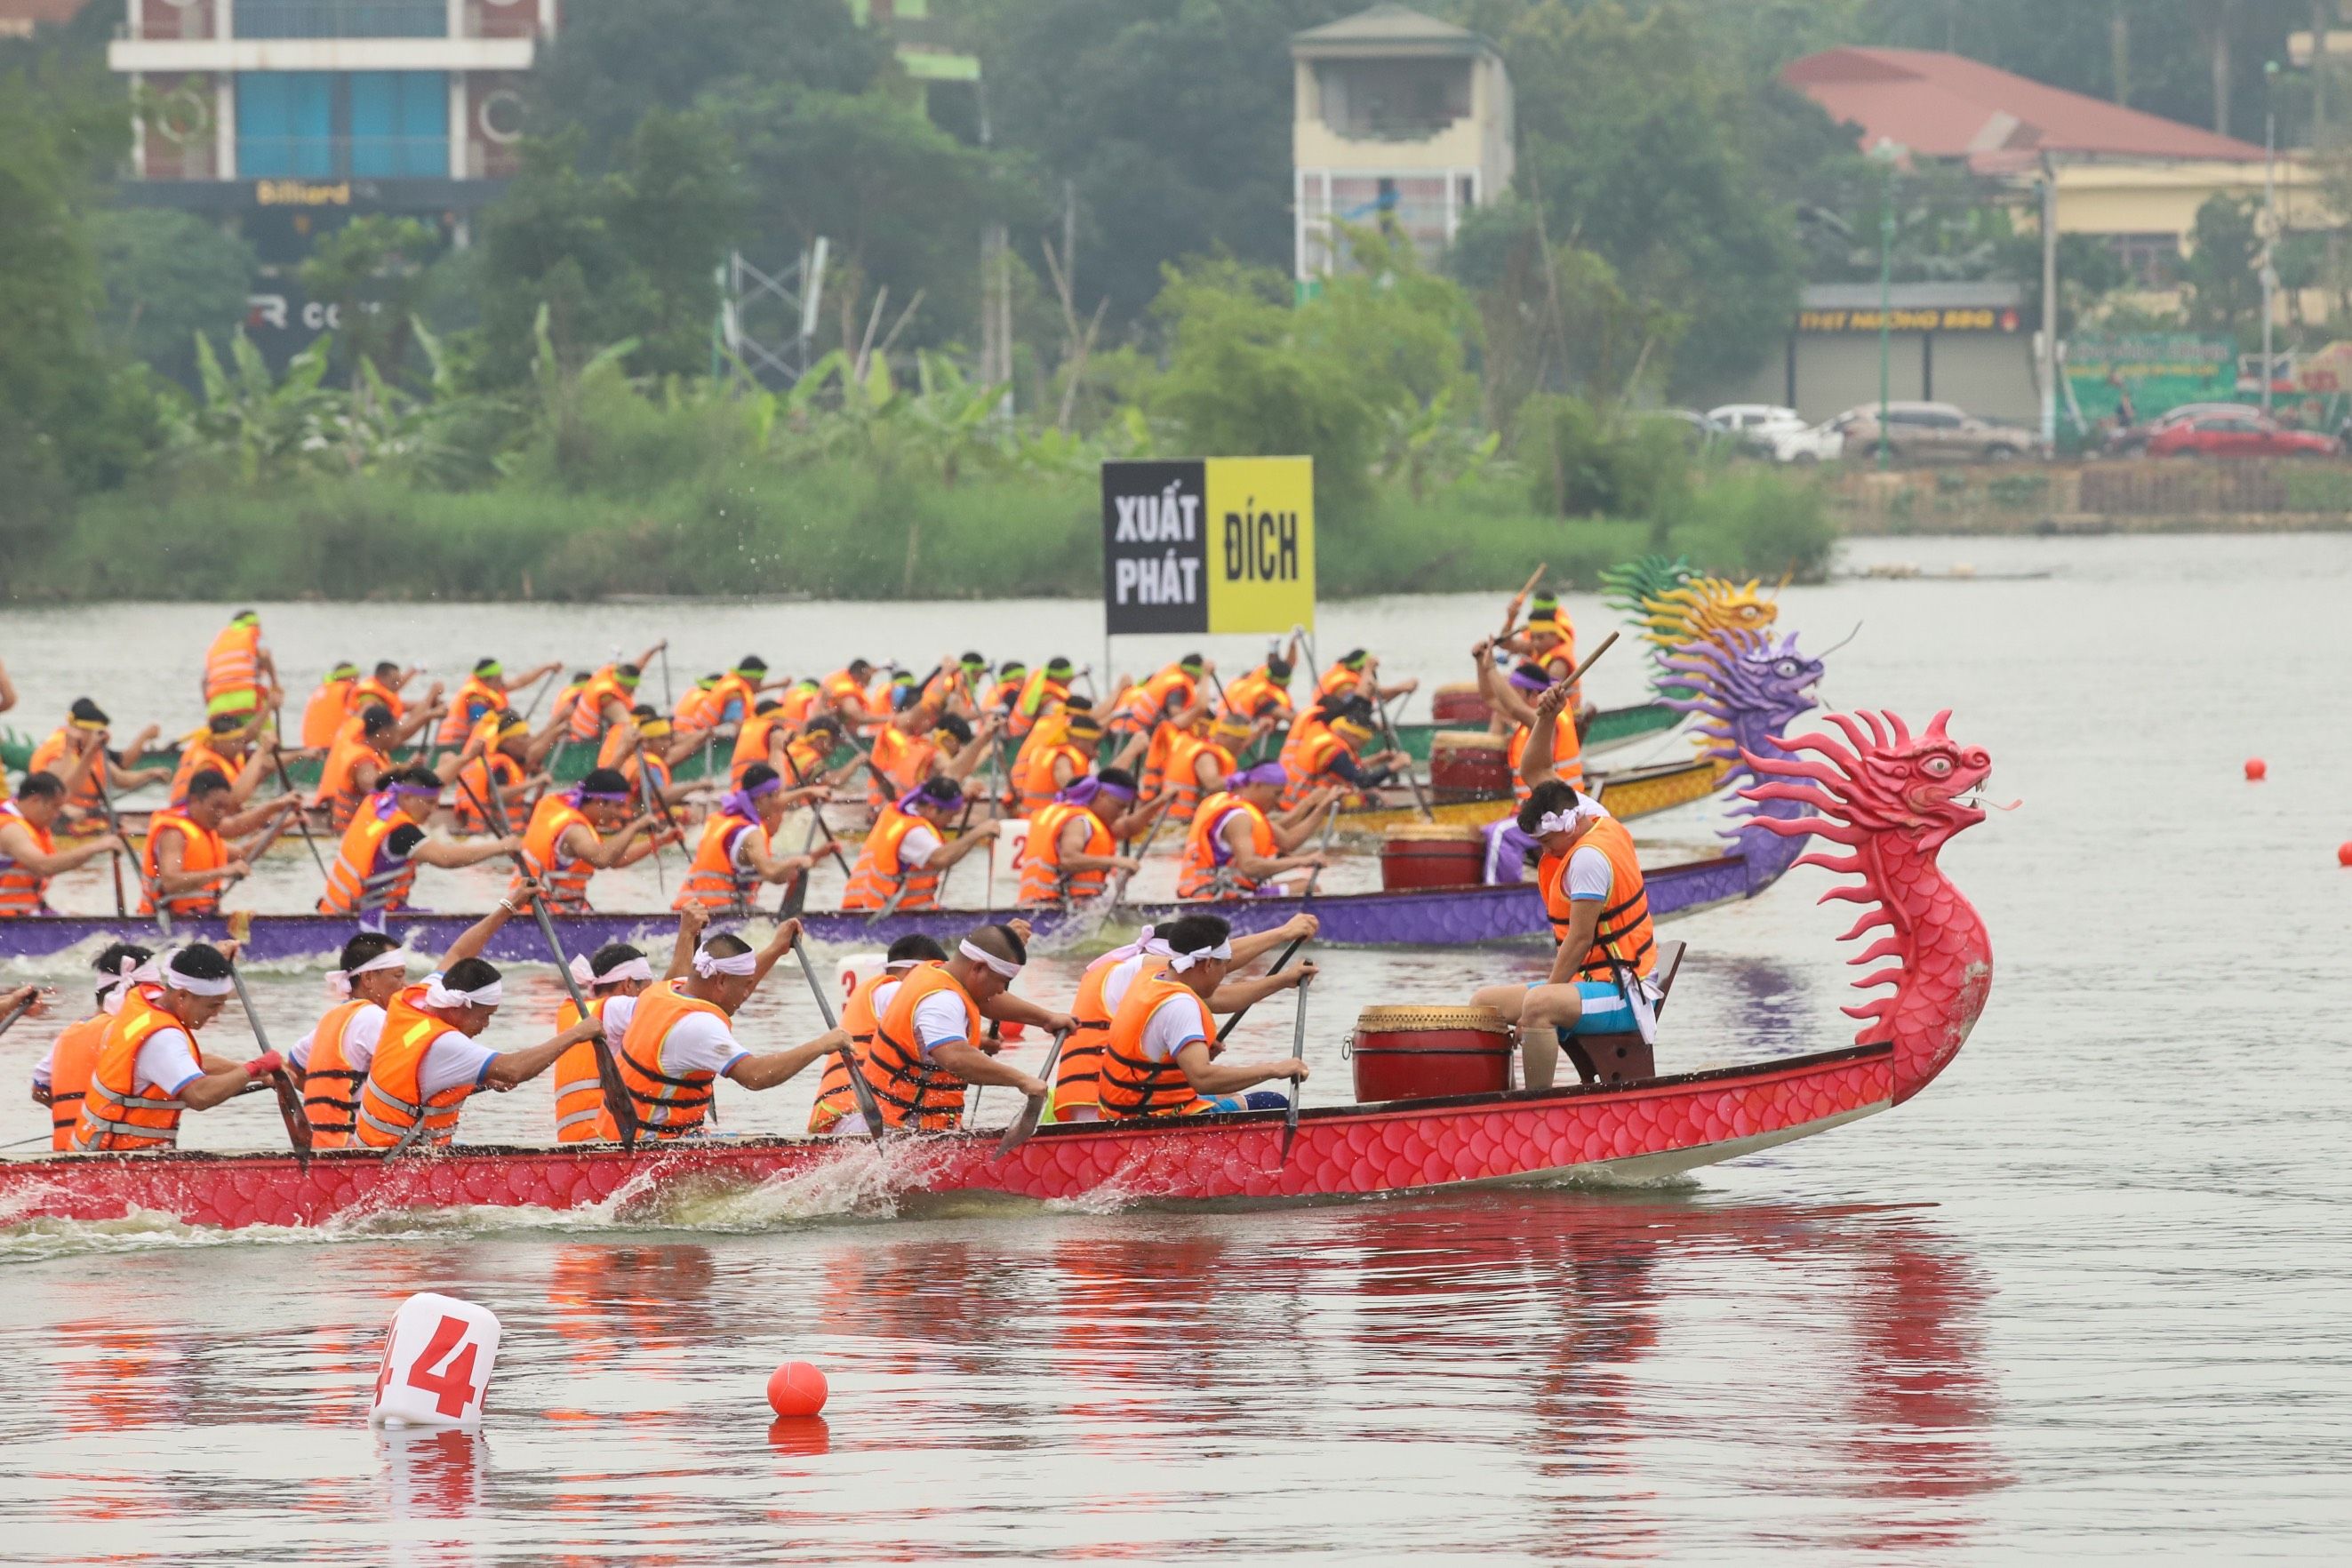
(1077,1076)
(716,880)
(116,1114)
(798,705)
(49,757)
(1309,766)
(1623,936)
(906,1087)
(879,874)
(391,1099)
(669,1105)
(72,1062)
(365,878)
(698,709)
(1338,679)
(1185,753)
(1040,695)
(1132,1083)
(195,758)
(369,692)
(22,890)
(1567,754)
(1305,725)
(566,881)
(1256,693)
(1043,880)
(473,780)
(580,1114)
(835,1098)
(323,715)
(804,759)
(842,695)
(330,1085)
(603,688)
(1141,707)
(475,698)
(1207,872)
(201,849)
(753,743)
(233,670)
(1035,777)
(339,789)
(897,762)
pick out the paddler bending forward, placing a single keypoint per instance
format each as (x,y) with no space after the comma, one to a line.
(1600,913)
(1235,847)
(1157,1060)
(148,1073)
(926,1047)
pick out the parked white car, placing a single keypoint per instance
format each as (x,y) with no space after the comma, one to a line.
(1780,434)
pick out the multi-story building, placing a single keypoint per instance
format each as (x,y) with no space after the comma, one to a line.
(1400,122)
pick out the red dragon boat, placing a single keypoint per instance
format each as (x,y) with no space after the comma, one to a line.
(1889,799)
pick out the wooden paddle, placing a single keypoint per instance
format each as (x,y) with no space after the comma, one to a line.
(155,895)
(1297,1085)
(816,810)
(1511,616)
(608,1072)
(285,783)
(18,1011)
(1034,1110)
(1419,801)
(646,788)
(858,1088)
(290,1104)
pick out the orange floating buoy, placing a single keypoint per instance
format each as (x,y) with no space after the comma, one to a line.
(796,1388)
(2344,853)
(2257,770)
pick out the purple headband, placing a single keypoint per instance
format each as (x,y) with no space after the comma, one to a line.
(738,803)
(1084,792)
(580,795)
(1528,677)
(1263,774)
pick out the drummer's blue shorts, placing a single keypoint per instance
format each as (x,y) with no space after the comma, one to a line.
(1606,1011)
(1256,1099)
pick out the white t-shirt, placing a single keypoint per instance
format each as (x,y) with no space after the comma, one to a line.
(167,1061)
(1173,1024)
(696,1042)
(453,1060)
(1119,981)
(920,844)
(1589,873)
(360,1036)
(939,1021)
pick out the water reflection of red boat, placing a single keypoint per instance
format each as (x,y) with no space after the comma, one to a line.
(1892,799)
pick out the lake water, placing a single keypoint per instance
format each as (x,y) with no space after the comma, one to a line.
(2086,1299)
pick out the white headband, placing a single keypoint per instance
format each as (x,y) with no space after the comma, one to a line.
(438,994)
(1184,960)
(193,984)
(889,964)
(1585,808)
(128,972)
(338,981)
(1145,944)
(1004,967)
(707,965)
(584,973)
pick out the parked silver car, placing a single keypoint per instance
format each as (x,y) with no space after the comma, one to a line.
(1932,432)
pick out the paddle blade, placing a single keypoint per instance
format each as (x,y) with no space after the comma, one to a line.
(1023,1126)
(289,1109)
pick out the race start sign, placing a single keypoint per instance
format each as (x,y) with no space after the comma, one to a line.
(1217,544)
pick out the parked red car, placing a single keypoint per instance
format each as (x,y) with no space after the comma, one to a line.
(2236,436)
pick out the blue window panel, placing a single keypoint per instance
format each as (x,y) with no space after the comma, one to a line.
(399,125)
(285,125)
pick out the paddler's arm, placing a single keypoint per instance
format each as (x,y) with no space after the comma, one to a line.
(1136,821)
(1215,1077)
(1247,950)
(131,753)
(975,751)
(690,921)
(170,878)
(450,855)
(1254,865)
(259,816)
(509,1068)
(645,659)
(83,764)
(1583,921)
(1294,830)
(1236,994)
(1007,1008)
(16,844)
(788,935)
(605,854)
(8,688)
(973,1065)
(476,937)
(1535,761)
(1075,832)
(257,767)
(769,1069)
(961,844)
(531,677)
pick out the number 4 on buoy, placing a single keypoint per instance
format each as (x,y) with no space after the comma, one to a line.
(437,1364)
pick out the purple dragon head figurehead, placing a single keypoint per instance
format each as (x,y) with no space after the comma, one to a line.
(1747,688)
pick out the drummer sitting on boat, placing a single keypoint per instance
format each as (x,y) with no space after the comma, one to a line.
(1157,1060)
(1600,913)
(1235,847)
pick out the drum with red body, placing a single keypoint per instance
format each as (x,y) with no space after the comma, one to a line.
(1413,1053)
(1459,703)
(1468,765)
(1433,855)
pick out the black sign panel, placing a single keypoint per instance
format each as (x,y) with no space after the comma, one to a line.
(1155,547)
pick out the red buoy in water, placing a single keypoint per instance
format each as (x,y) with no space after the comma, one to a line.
(2344,853)
(2257,770)
(796,1388)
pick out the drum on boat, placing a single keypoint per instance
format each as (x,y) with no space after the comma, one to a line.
(1413,1053)
(1433,855)
(1468,765)
(1459,702)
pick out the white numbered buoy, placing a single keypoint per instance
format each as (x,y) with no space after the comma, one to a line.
(857,968)
(437,1356)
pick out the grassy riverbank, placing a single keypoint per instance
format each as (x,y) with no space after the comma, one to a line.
(833,530)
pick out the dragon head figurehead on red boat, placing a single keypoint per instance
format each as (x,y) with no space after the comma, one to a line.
(1893,800)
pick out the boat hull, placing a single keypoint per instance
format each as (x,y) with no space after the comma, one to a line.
(1643,1132)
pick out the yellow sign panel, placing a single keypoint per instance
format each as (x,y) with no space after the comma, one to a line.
(1261,544)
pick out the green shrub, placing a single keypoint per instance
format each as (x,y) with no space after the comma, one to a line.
(1755,524)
